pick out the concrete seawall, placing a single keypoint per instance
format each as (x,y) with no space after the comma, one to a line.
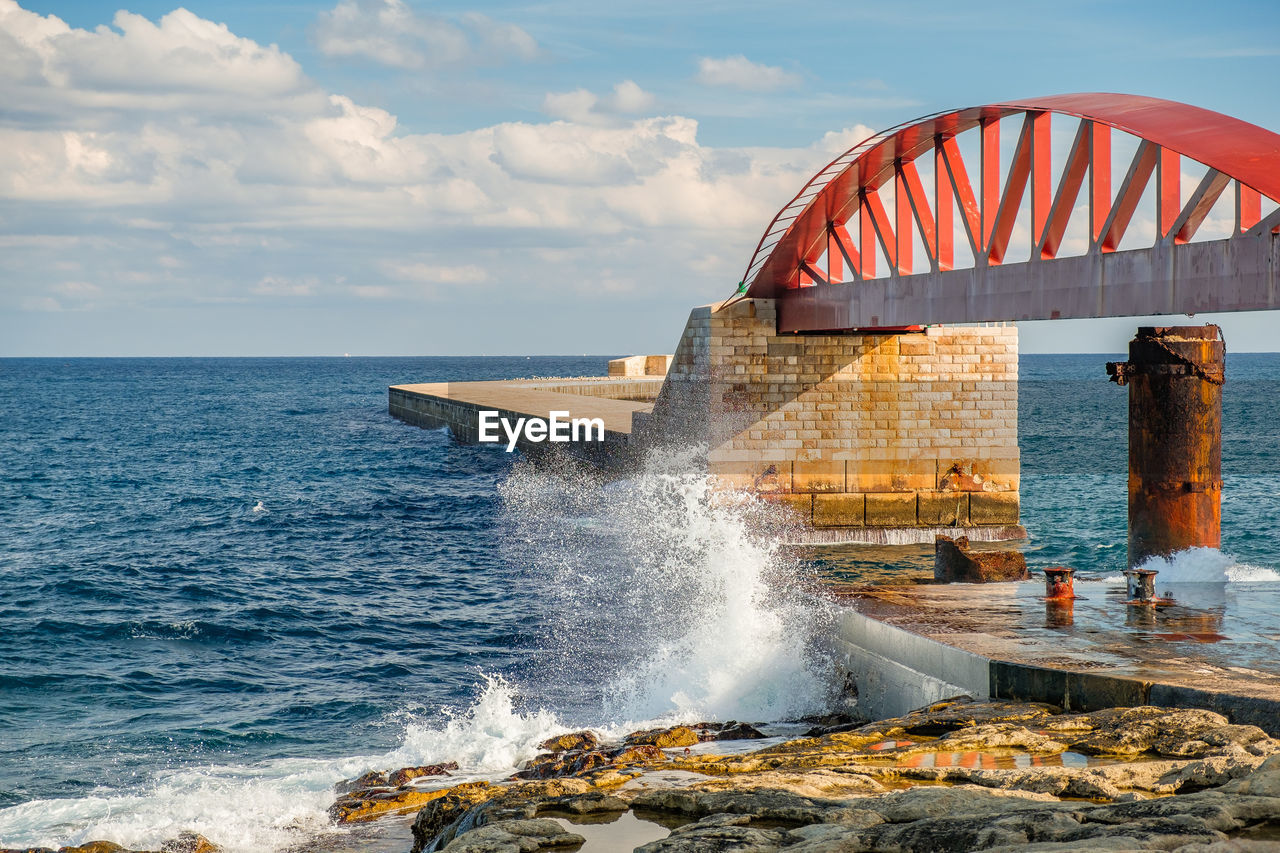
(897,669)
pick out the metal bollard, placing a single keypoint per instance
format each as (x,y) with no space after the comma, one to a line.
(1059,582)
(1140,584)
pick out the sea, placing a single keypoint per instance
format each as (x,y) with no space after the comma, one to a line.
(227,584)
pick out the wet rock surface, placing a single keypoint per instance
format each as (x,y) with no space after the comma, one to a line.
(184,842)
(573,740)
(665,738)
(956,776)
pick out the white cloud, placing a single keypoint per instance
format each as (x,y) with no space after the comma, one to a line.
(232,194)
(738,72)
(182,61)
(839,141)
(628,97)
(582,105)
(435,273)
(389,32)
(274,285)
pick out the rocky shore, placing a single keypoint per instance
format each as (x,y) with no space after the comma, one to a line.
(956,776)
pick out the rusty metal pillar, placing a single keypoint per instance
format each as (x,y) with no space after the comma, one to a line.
(1175,375)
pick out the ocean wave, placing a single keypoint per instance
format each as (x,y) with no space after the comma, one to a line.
(278,804)
(677,602)
(1208,565)
(1201,566)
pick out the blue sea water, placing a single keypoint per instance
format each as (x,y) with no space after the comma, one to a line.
(239,579)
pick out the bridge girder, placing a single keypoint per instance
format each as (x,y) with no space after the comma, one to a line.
(1174,276)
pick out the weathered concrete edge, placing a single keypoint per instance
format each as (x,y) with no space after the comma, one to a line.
(902,670)
(903,535)
(461,417)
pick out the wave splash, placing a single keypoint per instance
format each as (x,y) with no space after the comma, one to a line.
(279,804)
(668,600)
(673,599)
(1207,565)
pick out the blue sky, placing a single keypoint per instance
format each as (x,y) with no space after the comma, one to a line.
(394,177)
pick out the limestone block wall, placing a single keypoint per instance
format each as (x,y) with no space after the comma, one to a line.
(640,365)
(853,431)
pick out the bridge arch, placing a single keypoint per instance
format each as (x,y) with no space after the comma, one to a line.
(837,256)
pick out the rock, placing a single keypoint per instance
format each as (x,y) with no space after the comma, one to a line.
(827,793)
(953,562)
(394,779)
(664,738)
(189,842)
(953,801)
(825,724)
(372,779)
(1266,784)
(597,802)
(814,783)
(1219,811)
(739,731)
(552,765)
(1234,845)
(445,811)
(365,805)
(407,774)
(991,736)
(637,754)
(1171,732)
(515,836)
(1163,833)
(583,740)
(716,835)
(962,712)
(95,847)
(760,805)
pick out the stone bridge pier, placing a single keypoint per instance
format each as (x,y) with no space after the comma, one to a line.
(874,436)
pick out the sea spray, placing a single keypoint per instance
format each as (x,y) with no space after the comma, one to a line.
(1207,565)
(489,737)
(665,598)
(277,804)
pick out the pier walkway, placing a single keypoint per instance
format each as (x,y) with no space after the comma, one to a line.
(909,645)
(457,405)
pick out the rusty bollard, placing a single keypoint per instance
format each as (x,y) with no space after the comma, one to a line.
(1140,586)
(1059,597)
(1059,582)
(1175,376)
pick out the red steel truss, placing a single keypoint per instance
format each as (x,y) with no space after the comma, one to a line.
(825,278)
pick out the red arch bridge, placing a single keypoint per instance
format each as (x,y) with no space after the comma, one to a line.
(1010,212)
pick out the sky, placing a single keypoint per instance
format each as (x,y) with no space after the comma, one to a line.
(391,177)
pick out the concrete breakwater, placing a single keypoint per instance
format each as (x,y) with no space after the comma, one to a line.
(866,436)
(907,646)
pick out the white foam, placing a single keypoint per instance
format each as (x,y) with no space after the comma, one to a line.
(1207,565)
(276,804)
(694,577)
(723,629)
(490,737)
